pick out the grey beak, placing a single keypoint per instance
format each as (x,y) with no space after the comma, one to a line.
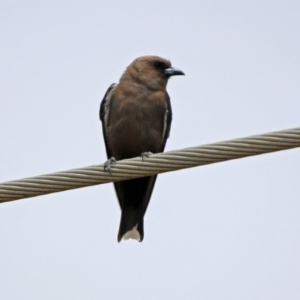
(173,71)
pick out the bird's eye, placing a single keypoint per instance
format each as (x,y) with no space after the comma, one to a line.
(159,65)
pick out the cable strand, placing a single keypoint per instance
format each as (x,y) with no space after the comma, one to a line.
(155,164)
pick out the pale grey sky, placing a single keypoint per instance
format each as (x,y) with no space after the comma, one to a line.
(224,231)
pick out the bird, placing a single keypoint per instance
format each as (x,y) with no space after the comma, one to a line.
(136,118)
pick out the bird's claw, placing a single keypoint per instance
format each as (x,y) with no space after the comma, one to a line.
(145,155)
(108,164)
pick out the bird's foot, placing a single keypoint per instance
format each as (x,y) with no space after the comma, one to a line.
(145,155)
(108,164)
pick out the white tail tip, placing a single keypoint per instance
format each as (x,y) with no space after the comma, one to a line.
(132,234)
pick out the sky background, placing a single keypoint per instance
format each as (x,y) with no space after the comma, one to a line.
(225,231)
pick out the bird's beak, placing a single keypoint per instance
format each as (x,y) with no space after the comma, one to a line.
(173,71)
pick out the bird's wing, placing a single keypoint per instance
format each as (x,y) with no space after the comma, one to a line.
(104,113)
(167,121)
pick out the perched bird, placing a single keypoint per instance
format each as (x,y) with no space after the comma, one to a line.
(136,118)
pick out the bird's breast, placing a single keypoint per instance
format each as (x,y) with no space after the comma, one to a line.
(136,126)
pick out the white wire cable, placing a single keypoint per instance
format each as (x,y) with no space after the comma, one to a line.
(155,164)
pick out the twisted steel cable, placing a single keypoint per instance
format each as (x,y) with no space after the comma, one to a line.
(155,164)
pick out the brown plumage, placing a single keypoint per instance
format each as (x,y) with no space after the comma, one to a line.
(136,117)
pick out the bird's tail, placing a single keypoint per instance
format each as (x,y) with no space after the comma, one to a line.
(132,224)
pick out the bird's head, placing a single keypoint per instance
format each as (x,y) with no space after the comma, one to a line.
(151,71)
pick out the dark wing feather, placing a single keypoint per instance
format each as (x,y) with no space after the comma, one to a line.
(168,120)
(102,115)
(104,110)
